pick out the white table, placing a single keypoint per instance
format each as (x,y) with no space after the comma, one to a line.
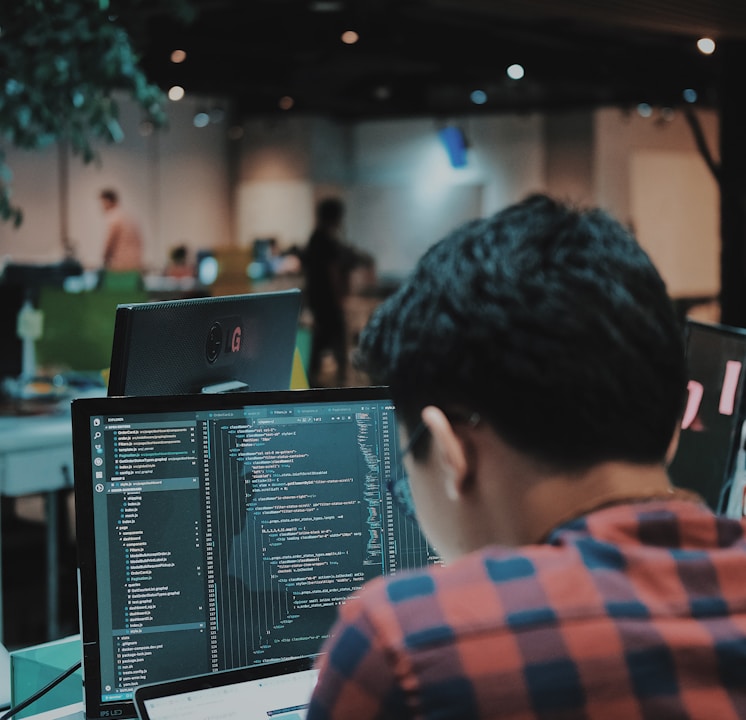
(36,457)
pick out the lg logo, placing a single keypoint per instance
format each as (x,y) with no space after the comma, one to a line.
(236,339)
(224,337)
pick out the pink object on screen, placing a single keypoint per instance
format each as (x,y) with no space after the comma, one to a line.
(730,385)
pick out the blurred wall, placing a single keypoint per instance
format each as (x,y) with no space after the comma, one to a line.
(200,187)
(405,194)
(649,173)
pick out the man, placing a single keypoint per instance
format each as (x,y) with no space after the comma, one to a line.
(326,268)
(123,247)
(538,370)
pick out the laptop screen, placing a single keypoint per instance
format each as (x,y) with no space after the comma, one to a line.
(279,690)
(221,531)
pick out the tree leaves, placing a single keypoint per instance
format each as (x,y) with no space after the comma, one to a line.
(61,63)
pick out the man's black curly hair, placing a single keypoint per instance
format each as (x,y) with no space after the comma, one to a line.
(549,321)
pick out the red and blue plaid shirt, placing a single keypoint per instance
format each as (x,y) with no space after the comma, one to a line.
(632,611)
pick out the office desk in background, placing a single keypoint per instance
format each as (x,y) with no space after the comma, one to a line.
(36,458)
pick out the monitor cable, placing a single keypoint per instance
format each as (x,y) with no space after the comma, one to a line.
(25,703)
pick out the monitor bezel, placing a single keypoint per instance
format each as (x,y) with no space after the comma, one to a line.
(82,410)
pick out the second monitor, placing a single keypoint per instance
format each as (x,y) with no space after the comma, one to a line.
(214,344)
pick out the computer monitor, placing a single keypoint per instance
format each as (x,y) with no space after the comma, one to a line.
(32,277)
(11,353)
(22,283)
(218,531)
(711,425)
(211,344)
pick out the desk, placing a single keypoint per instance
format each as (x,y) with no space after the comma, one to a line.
(33,668)
(76,711)
(36,457)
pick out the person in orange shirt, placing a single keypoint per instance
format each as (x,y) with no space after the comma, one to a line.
(123,247)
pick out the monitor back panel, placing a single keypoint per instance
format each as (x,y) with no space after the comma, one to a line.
(193,345)
(221,531)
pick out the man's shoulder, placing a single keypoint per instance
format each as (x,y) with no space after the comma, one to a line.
(568,577)
(480,576)
(493,593)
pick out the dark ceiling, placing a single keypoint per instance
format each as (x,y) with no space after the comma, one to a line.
(426,57)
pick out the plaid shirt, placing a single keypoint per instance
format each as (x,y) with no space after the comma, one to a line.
(632,611)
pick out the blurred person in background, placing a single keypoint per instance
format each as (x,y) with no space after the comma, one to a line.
(123,244)
(326,262)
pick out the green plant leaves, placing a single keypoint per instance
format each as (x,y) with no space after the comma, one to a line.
(61,63)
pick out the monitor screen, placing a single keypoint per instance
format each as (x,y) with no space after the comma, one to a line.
(213,344)
(220,531)
(712,420)
(33,277)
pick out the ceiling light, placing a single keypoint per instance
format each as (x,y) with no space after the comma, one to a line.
(178,56)
(176,93)
(706,45)
(515,71)
(645,110)
(478,97)
(201,119)
(350,37)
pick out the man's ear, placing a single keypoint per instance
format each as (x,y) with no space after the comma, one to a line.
(447,451)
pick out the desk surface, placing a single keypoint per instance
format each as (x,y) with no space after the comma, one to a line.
(34,432)
(76,711)
(36,455)
(34,449)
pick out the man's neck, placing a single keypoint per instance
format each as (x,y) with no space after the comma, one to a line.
(519,502)
(559,499)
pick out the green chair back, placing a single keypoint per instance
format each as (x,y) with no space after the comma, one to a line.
(79,327)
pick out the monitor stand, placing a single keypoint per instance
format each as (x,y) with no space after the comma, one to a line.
(227,386)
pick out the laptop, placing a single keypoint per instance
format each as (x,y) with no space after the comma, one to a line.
(279,690)
(212,344)
(220,531)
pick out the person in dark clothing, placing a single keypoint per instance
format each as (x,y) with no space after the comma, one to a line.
(326,267)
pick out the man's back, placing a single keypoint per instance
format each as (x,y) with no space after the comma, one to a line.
(537,367)
(633,611)
(124,247)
